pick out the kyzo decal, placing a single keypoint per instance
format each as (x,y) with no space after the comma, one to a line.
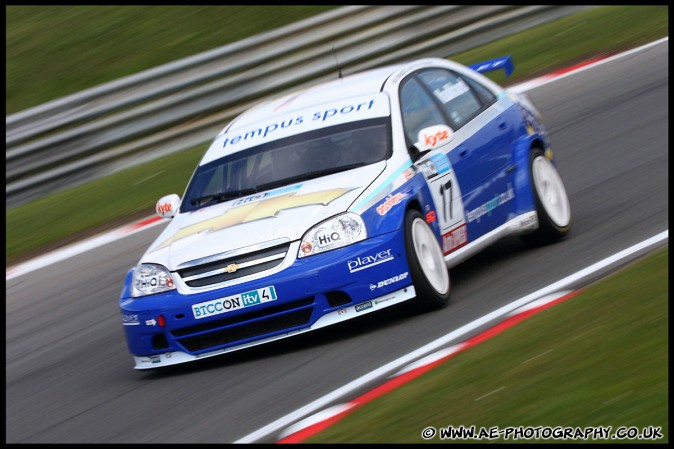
(267,208)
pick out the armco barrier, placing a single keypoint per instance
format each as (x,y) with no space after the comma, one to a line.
(186,102)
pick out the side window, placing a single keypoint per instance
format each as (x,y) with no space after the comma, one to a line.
(418,110)
(485,94)
(457,99)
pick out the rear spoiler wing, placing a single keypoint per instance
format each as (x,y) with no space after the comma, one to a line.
(504,62)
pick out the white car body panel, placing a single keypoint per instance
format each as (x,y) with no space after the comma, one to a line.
(285,215)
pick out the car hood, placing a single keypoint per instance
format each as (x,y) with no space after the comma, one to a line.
(281,214)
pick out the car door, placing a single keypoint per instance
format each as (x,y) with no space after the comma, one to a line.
(479,155)
(420,113)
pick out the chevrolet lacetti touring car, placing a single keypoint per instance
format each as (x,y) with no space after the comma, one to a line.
(340,200)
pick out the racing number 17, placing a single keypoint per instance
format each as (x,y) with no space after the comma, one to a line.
(446,192)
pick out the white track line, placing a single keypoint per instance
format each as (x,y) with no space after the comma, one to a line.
(79,247)
(400,362)
(561,74)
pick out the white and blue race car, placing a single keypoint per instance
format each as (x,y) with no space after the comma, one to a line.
(340,200)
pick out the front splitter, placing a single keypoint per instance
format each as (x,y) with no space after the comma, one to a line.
(337,316)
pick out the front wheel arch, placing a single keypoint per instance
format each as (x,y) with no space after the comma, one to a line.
(428,269)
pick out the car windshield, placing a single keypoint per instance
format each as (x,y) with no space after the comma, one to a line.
(292,159)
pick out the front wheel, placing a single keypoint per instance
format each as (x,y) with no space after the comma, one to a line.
(552,202)
(430,275)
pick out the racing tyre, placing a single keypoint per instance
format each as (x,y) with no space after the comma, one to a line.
(552,202)
(430,275)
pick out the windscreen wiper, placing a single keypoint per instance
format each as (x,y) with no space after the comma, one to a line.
(223,196)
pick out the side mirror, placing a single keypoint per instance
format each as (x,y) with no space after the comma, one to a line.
(167,206)
(433,137)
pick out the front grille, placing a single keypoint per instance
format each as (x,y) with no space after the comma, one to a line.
(234,267)
(247,330)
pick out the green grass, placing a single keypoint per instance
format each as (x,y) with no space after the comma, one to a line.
(602,30)
(53,51)
(84,208)
(129,194)
(597,359)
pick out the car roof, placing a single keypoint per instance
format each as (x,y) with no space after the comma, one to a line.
(289,114)
(358,84)
(367,82)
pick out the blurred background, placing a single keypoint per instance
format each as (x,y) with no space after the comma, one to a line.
(94,92)
(108,108)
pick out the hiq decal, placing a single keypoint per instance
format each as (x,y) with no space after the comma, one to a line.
(328,238)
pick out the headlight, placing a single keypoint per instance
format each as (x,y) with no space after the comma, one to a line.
(333,233)
(149,279)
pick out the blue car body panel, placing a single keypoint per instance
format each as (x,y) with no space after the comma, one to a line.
(490,167)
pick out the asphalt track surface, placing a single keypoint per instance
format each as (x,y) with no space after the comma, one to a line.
(70,378)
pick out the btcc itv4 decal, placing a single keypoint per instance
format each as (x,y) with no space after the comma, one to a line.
(234,302)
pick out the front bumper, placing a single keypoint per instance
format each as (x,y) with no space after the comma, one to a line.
(311,293)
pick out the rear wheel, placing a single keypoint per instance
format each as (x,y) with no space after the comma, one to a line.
(430,275)
(552,202)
